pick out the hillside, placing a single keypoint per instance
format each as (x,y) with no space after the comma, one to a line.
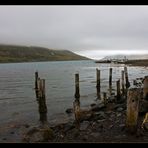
(11,53)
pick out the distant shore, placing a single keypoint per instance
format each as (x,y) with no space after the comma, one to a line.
(143,62)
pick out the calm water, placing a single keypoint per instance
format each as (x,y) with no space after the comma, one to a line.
(17,96)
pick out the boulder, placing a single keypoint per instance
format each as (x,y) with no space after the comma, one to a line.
(69,110)
(84,125)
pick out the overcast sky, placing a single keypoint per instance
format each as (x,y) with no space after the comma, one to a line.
(92,31)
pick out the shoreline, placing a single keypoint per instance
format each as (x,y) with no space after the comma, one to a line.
(143,62)
(105,125)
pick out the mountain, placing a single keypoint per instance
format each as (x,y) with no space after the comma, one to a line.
(14,53)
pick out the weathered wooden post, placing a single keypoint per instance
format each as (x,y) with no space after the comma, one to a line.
(77,91)
(133,97)
(98,83)
(76,103)
(118,90)
(123,90)
(105,98)
(126,78)
(110,81)
(36,84)
(42,100)
(145,88)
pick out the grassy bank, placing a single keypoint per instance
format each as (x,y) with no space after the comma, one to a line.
(11,54)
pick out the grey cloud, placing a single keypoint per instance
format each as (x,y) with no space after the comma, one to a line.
(75,27)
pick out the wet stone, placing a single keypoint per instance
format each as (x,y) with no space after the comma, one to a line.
(95,134)
(119,109)
(84,125)
(69,110)
(119,115)
(12,133)
(4,139)
(93,104)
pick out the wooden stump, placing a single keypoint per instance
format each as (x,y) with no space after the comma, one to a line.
(126,78)
(105,98)
(145,88)
(122,75)
(36,84)
(133,98)
(42,100)
(77,90)
(118,90)
(76,103)
(110,81)
(98,84)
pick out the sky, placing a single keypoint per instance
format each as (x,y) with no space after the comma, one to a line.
(92,31)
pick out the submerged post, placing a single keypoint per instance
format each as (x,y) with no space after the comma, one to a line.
(123,90)
(133,98)
(110,81)
(42,101)
(36,84)
(118,90)
(105,98)
(98,83)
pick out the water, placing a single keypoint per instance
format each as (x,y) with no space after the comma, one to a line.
(17,95)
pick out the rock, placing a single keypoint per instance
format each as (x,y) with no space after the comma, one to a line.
(145,126)
(11,132)
(95,135)
(110,126)
(99,116)
(39,135)
(69,126)
(118,115)
(119,109)
(75,132)
(84,125)
(109,112)
(111,99)
(101,120)
(4,138)
(69,110)
(85,137)
(100,105)
(122,125)
(143,107)
(93,104)
(27,125)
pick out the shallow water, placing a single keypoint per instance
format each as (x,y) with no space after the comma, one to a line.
(17,95)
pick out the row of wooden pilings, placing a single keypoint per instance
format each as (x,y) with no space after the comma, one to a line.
(132,95)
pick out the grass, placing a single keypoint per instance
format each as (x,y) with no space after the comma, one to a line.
(11,53)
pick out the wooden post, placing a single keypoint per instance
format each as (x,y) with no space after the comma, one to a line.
(110,81)
(98,83)
(42,101)
(145,88)
(126,78)
(123,90)
(76,104)
(118,90)
(36,84)
(133,98)
(77,91)
(105,98)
